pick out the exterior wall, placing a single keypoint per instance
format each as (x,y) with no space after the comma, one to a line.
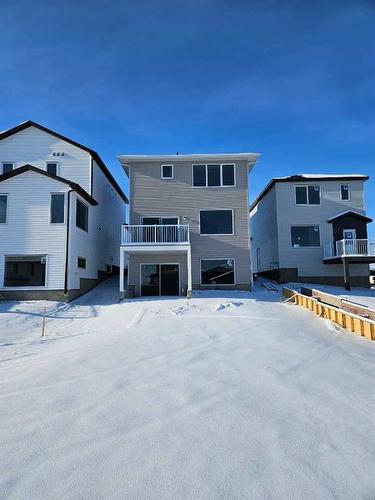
(35,147)
(309,261)
(264,233)
(153,196)
(28,230)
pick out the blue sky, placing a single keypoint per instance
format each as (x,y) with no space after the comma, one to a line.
(293,80)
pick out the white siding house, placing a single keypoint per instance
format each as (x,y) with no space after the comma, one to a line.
(43,252)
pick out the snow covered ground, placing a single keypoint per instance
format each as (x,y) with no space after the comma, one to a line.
(227,396)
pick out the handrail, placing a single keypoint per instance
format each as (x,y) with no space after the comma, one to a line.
(352,247)
(147,234)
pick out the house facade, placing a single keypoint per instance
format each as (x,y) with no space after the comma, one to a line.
(312,228)
(60,215)
(189,224)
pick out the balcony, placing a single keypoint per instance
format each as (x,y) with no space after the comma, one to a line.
(349,248)
(150,235)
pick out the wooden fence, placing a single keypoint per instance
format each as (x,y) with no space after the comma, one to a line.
(361,326)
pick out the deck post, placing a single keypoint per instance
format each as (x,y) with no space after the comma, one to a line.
(190,286)
(122,266)
(346,274)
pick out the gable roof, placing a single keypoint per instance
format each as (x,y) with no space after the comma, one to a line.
(307,178)
(30,168)
(352,213)
(94,154)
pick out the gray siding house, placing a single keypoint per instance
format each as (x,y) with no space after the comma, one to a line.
(312,228)
(189,224)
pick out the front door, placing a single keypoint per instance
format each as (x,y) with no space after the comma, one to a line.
(350,236)
(159,279)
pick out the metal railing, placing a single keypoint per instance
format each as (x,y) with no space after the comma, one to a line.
(154,234)
(350,248)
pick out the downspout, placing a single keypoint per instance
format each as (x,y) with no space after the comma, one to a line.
(67,244)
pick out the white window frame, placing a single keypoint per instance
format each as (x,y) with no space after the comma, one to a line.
(159,264)
(349,192)
(305,247)
(7,208)
(308,204)
(50,210)
(88,216)
(53,163)
(218,258)
(215,210)
(39,287)
(221,165)
(6,162)
(161,172)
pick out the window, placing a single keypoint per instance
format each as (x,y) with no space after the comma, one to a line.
(3,208)
(345,192)
(7,167)
(57,208)
(51,168)
(213,175)
(25,271)
(305,236)
(156,221)
(81,262)
(167,171)
(216,222)
(308,195)
(217,272)
(82,216)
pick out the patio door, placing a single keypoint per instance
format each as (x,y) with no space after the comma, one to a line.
(350,243)
(160,279)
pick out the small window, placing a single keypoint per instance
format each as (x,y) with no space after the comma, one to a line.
(81,262)
(305,236)
(57,208)
(308,195)
(217,272)
(228,175)
(7,167)
(167,171)
(213,172)
(3,208)
(216,222)
(82,216)
(52,168)
(25,271)
(213,175)
(199,175)
(345,192)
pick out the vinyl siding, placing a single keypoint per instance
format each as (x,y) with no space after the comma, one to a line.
(28,230)
(153,196)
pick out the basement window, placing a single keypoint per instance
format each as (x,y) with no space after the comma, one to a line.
(217,272)
(81,262)
(25,271)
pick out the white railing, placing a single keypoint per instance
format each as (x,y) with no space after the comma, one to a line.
(364,248)
(154,234)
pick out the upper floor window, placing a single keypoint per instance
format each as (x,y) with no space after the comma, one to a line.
(307,195)
(167,171)
(214,175)
(57,208)
(82,216)
(345,192)
(3,208)
(7,167)
(305,236)
(216,222)
(52,167)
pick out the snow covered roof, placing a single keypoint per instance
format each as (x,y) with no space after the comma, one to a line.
(350,212)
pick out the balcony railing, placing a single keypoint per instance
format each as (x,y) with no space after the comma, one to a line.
(365,248)
(155,234)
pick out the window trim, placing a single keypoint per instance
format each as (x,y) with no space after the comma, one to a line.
(309,246)
(7,162)
(161,171)
(6,208)
(85,230)
(160,217)
(50,210)
(53,163)
(36,287)
(83,258)
(215,210)
(221,175)
(349,192)
(218,258)
(308,204)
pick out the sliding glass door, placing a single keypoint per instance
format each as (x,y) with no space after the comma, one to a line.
(160,279)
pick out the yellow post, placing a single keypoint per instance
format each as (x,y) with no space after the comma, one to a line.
(44,322)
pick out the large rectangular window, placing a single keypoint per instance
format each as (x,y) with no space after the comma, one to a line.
(82,216)
(305,236)
(3,208)
(7,167)
(57,208)
(216,222)
(217,272)
(308,195)
(345,192)
(25,271)
(212,175)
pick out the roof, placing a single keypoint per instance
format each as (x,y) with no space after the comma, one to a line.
(30,168)
(353,214)
(94,154)
(307,178)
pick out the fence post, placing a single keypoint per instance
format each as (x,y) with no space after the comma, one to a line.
(44,322)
